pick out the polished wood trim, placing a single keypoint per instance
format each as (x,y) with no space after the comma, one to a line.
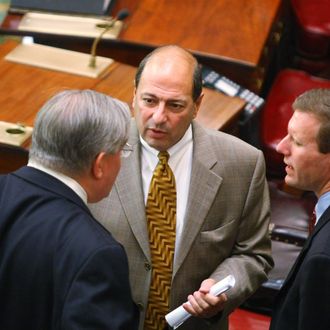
(232,29)
(24,89)
(229,35)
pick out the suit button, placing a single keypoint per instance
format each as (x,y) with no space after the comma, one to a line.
(140,306)
(147,266)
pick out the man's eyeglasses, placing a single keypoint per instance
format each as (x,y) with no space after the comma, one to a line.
(126,150)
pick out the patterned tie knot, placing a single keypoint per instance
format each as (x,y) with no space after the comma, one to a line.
(163,157)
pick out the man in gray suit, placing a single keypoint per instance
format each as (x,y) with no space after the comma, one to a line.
(222,210)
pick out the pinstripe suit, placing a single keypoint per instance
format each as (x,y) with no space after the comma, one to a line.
(225,227)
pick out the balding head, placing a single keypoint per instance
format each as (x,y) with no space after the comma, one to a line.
(167,96)
(171,58)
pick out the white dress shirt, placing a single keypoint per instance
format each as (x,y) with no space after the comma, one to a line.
(322,204)
(71,183)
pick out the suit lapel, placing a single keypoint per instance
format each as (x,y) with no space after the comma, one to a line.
(204,185)
(129,188)
(323,220)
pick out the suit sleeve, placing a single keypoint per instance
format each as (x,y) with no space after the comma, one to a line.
(314,292)
(250,259)
(99,296)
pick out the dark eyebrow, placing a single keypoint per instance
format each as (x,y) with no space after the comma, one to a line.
(148,94)
(182,101)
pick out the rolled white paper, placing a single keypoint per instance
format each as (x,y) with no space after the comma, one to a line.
(179,315)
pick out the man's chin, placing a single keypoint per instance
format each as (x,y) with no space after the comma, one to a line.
(291,182)
(157,144)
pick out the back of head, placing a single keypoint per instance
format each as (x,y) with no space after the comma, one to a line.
(317,102)
(74,126)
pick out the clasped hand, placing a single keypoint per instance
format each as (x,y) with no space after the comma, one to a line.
(202,303)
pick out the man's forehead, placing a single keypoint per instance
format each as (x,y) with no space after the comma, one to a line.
(304,125)
(171,52)
(167,98)
(171,58)
(167,66)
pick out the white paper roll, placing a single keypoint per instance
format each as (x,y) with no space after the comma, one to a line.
(179,315)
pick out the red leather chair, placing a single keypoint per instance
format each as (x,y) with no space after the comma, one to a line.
(313,26)
(277,111)
(312,36)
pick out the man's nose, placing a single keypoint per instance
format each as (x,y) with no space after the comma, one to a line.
(282,145)
(159,114)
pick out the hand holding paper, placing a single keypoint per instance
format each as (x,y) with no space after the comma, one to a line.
(179,315)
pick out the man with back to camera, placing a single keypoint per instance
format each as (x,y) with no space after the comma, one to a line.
(303,301)
(59,268)
(221,206)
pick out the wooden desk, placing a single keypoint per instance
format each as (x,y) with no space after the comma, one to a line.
(24,89)
(234,37)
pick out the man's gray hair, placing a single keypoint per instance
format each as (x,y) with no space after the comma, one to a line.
(74,126)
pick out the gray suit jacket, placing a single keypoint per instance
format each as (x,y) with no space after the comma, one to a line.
(225,227)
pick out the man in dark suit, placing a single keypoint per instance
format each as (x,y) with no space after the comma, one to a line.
(303,302)
(59,268)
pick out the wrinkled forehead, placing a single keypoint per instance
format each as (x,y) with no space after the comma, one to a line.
(305,125)
(170,68)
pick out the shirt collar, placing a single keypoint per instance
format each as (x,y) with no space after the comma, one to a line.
(322,204)
(71,183)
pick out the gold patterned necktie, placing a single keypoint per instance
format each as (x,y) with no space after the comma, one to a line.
(161,218)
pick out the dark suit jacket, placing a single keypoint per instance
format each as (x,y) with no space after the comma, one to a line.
(304,301)
(59,268)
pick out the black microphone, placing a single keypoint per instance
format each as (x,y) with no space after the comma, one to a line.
(106,26)
(120,17)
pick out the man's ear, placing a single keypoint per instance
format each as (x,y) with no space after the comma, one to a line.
(198,104)
(97,166)
(134,96)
